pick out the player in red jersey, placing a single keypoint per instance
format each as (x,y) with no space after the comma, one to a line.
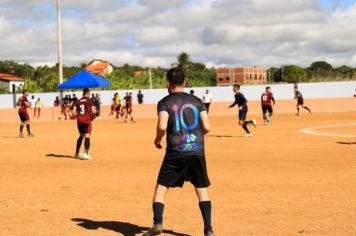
(129,108)
(266,101)
(85,111)
(23,104)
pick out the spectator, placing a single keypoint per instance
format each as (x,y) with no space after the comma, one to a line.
(38,106)
(140,97)
(56,102)
(97,104)
(74,99)
(207,99)
(56,108)
(355,94)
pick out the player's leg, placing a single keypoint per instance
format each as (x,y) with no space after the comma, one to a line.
(79,144)
(38,112)
(158,208)
(87,142)
(264,112)
(28,126)
(205,209)
(306,108)
(22,124)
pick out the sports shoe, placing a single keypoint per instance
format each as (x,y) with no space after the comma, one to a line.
(155,230)
(21,135)
(77,155)
(209,233)
(85,157)
(254,123)
(31,135)
(248,135)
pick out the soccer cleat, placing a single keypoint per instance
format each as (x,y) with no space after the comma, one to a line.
(31,135)
(86,157)
(248,135)
(21,135)
(76,155)
(254,123)
(155,230)
(209,233)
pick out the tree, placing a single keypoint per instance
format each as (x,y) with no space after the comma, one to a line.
(320,69)
(290,74)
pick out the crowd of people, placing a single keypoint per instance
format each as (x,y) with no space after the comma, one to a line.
(122,108)
(69,103)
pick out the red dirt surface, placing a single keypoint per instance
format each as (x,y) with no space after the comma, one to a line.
(280,182)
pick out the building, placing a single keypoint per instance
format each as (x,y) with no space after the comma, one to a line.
(241,75)
(7,81)
(100,67)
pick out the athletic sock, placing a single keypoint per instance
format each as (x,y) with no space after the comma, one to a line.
(158,208)
(87,145)
(205,208)
(298,110)
(21,128)
(79,144)
(28,129)
(244,126)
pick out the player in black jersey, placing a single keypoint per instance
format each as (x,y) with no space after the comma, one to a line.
(300,101)
(241,101)
(183,118)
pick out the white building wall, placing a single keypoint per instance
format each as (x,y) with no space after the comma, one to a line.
(222,94)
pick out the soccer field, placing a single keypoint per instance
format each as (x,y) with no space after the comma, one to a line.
(280,182)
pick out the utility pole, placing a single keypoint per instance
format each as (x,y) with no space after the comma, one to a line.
(59,34)
(150,74)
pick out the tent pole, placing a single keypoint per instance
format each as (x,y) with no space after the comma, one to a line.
(60,62)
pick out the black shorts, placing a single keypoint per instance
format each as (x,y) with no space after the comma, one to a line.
(243,114)
(24,116)
(117,108)
(300,103)
(84,128)
(267,108)
(175,172)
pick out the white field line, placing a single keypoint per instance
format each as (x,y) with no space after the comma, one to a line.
(313,132)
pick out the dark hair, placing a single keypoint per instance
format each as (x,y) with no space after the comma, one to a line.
(192,91)
(237,86)
(175,77)
(24,91)
(268,87)
(85,91)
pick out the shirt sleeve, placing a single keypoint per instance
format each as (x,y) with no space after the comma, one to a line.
(162,107)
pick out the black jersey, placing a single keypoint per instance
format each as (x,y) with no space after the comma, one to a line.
(299,96)
(185,131)
(240,100)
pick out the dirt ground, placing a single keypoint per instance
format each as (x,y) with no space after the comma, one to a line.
(280,182)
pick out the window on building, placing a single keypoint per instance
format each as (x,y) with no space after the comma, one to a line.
(221,79)
(255,77)
(228,78)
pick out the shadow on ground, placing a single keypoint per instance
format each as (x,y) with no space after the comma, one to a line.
(347,143)
(223,136)
(126,229)
(60,156)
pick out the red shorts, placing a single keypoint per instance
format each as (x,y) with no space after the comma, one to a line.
(84,128)
(24,116)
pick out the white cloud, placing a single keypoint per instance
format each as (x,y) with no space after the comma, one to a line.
(153,32)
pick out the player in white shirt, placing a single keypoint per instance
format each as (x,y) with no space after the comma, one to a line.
(207,99)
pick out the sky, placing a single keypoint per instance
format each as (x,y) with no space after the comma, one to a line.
(153,32)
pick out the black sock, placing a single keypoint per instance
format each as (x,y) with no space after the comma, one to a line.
(28,128)
(79,144)
(205,208)
(158,208)
(21,128)
(87,145)
(298,110)
(244,126)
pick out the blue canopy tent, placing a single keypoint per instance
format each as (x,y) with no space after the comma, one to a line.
(84,79)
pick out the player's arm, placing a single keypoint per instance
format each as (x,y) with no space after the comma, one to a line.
(205,120)
(234,104)
(274,101)
(161,128)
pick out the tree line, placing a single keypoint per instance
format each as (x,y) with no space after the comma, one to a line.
(45,78)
